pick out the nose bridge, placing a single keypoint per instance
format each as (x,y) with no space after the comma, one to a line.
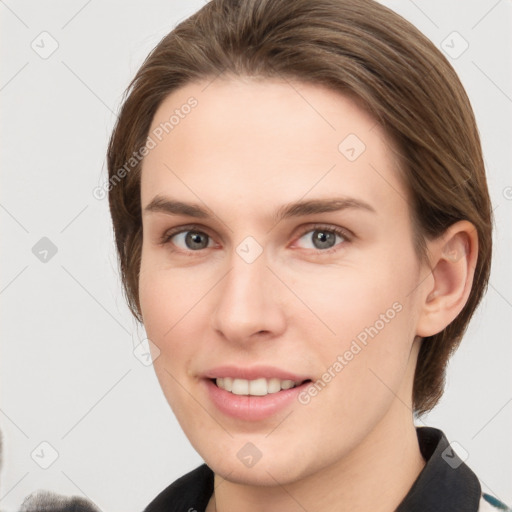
(244,285)
(246,303)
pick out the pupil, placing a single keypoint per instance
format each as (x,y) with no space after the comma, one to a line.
(196,240)
(323,239)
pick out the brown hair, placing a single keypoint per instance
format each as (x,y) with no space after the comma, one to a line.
(356,47)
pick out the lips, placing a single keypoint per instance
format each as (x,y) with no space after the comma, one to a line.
(253,373)
(255,393)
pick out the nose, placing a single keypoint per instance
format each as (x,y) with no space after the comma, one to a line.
(248,303)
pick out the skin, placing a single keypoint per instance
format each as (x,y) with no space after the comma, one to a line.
(249,148)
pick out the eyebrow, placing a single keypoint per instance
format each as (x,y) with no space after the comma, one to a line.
(170,206)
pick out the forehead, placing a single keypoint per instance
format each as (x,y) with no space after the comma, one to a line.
(267,138)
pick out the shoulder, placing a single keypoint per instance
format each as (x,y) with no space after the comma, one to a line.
(446,483)
(189,493)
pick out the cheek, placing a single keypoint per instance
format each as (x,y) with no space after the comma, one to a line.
(173,320)
(171,310)
(156,303)
(363,327)
(347,301)
(168,296)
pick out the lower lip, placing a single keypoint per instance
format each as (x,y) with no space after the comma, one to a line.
(252,408)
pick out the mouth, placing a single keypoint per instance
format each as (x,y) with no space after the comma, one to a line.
(253,393)
(257,387)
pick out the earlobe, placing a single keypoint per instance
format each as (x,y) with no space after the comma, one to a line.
(453,260)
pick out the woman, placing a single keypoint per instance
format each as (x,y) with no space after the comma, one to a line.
(303,227)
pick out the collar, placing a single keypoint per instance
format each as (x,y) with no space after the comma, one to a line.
(445,484)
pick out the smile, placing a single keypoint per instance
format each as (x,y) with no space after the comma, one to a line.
(256,387)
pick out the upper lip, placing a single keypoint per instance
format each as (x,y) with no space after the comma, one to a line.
(253,373)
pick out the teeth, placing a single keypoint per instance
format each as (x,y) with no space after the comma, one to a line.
(258,387)
(228,383)
(273,385)
(287,384)
(240,387)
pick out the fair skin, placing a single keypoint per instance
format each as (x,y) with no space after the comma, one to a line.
(249,149)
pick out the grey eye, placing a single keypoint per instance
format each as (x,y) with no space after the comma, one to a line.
(323,239)
(191,240)
(320,239)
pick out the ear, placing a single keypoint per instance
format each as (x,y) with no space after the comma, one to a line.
(453,258)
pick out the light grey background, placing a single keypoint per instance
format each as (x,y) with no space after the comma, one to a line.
(69,375)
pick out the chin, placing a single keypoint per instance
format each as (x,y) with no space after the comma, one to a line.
(267,475)
(277,464)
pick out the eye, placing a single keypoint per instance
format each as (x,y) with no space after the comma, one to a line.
(189,240)
(322,238)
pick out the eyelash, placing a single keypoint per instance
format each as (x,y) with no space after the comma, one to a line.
(342,232)
(166,237)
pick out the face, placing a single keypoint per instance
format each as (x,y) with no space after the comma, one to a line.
(278,276)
